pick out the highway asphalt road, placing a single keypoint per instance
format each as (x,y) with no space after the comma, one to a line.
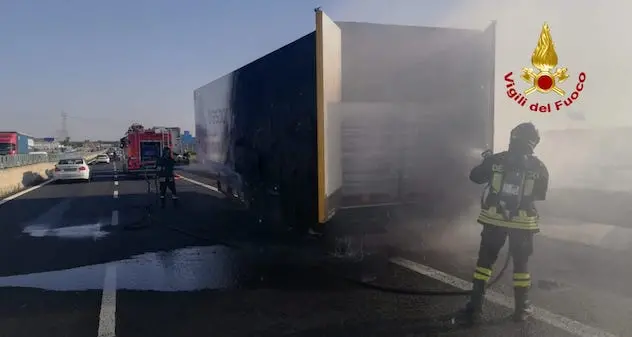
(88,259)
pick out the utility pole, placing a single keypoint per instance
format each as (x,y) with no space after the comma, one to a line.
(64,124)
(65,138)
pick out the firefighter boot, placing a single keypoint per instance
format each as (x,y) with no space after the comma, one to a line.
(162,202)
(175,200)
(473,310)
(523,309)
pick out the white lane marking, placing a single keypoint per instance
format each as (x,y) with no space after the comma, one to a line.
(558,321)
(212,188)
(30,189)
(116,183)
(115,194)
(115,218)
(107,316)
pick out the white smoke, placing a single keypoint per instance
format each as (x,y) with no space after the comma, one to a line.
(588,37)
(584,145)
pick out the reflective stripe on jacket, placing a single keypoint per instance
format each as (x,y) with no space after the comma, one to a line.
(526,216)
(491,216)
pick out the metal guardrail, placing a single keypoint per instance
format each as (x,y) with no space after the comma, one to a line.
(30,159)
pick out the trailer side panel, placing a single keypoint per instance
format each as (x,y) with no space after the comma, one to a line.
(256,130)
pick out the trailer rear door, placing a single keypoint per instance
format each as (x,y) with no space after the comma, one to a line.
(411,119)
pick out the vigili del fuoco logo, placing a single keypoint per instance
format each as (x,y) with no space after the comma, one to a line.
(545,79)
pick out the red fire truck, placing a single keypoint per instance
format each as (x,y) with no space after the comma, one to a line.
(142,148)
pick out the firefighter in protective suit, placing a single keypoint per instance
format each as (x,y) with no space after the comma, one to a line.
(166,176)
(515,179)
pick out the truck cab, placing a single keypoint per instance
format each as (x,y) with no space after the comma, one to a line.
(12,143)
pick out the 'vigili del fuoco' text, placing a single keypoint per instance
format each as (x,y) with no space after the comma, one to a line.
(522,100)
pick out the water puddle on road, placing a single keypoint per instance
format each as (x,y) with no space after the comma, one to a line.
(93,231)
(187,269)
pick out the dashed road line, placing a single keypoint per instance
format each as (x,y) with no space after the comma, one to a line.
(115,218)
(107,315)
(116,183)
(555,320)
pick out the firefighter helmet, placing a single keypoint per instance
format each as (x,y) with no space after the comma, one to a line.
(527,134)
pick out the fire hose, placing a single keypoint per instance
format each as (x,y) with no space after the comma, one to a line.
(354,281)
(147,217)
(403,291)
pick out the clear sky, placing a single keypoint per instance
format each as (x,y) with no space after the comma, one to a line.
(110,63)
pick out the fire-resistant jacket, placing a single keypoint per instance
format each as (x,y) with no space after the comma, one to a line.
(534,188)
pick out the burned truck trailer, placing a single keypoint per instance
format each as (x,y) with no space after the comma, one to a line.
(352,116)
(256,131)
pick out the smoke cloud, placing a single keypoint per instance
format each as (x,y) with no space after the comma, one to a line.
(584,145)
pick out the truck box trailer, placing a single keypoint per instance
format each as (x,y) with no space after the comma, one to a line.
(352,116)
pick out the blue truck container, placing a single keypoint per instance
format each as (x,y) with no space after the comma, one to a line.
(23,143)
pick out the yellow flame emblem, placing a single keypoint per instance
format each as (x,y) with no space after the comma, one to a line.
(544,59)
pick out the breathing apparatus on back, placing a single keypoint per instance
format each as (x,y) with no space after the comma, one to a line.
(485,154)
(524,138)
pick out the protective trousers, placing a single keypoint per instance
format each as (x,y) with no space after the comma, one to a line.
(171,185)
(520,247)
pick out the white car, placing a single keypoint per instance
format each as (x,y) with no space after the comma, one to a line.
(102,158)
(72,169)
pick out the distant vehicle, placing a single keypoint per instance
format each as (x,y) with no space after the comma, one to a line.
(72,169)
(12,143)
(143,148)
(182,158)
(102,158)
